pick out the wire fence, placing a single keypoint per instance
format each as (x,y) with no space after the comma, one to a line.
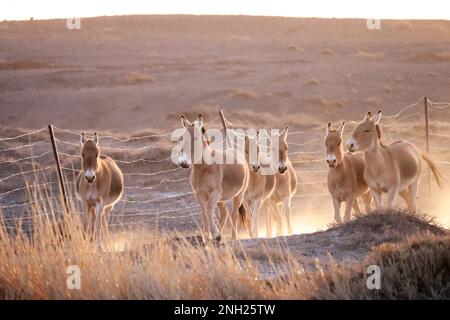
(156,190)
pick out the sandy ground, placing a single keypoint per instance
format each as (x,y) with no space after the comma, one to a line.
(130,76)
(134,73)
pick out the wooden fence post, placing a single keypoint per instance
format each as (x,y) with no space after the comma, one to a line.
(58,167)
(427,140)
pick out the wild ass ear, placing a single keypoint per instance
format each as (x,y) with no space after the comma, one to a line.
(224,121)
(200,120)
(284,133)
(184,122)
(377,118)
(368,116)
(82,138)
(257,135)
(328,128)
(96,139)
(341,128)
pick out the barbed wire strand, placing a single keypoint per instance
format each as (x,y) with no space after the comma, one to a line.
(158,199)
(24,172)
(153,219)
(23,135)
(131,139)
(27,158)
(27,188)
(146,213)
(25,146)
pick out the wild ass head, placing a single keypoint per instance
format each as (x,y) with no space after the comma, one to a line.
(366,134)
(282,151)
(193,139)
(90,153)
(252,151)
(334,150)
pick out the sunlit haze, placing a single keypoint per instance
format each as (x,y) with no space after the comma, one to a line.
(384,9)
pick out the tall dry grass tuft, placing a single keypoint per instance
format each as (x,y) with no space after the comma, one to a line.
(34,264)
(417,268)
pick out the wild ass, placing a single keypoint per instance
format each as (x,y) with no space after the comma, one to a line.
(345,175)
(213,183)
(99,185)
(393,169)
(260,186)
(285,185)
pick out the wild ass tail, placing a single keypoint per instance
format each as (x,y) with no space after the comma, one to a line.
(436,172)
(243,216)
(226,125)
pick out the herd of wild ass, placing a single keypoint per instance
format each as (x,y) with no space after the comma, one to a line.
(394,169)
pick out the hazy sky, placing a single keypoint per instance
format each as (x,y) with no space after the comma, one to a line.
(388,9)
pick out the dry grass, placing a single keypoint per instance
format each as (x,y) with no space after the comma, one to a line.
(244,94)
(156,266)
(404,25)
(314,81)
(369,55)
(295,48)
(417,268)
(372,101)
(23,65)
(387,89)
(320,101)
(34,267)
(134,77)
(208,111)
(327,52)
(431,57)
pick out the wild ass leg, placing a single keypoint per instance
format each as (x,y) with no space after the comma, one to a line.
(89,219)
(105,221)
(237,201)
(256,206)
(356,206)
(278,218)
(98,224)
(212,223)
(392,195)
(413,196)
(367,197)
(337,210)
(92,222)
(377,199)
(267,207)
(349,202)
(203,202)
(205,218)
(223,215)
(287,214)
(249,213)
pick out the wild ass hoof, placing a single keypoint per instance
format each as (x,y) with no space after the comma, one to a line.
(218,238)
